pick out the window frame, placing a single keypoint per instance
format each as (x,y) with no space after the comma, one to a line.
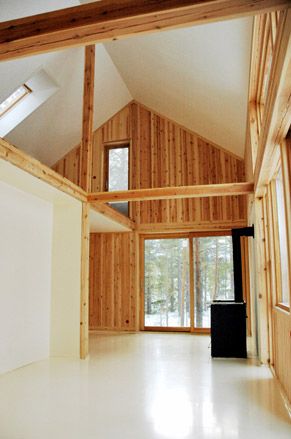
(279,303)
(16,101)
(175,235)
(106,149)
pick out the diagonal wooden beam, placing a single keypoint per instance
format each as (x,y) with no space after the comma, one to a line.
(170,193)
(88,116)
(110,20)
(32,166)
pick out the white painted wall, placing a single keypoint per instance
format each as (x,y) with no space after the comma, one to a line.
(66,280)
(40,269)
(25,277)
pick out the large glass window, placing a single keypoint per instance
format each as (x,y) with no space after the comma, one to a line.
(116,173)
(179,295)
(284,286)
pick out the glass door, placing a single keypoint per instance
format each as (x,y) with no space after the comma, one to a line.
(213,275)
(166,283)
(182,276)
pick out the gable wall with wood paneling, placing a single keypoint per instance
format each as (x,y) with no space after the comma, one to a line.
(170,155)
(163,153)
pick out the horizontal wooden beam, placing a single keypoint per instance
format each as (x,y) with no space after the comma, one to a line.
(108,20)
(170,193)
(213,226)
(112,214)
(28,164)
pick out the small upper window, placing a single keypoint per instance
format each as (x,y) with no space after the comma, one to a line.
(14,98)
(118,169)
(117,173)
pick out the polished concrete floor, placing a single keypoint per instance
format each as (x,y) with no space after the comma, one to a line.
(143,386)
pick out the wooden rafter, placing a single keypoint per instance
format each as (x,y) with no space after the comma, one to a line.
(168,193)
(107,20)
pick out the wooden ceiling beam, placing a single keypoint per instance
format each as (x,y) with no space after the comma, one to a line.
(111,20)
(170,193)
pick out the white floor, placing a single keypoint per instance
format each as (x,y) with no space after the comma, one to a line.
(143,386)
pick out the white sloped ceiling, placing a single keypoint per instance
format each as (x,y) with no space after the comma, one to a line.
(197,76)
(55,127)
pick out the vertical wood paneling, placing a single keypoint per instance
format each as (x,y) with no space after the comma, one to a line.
(118,127)
(282,343)
(113,284)
(97,159)
(69,166)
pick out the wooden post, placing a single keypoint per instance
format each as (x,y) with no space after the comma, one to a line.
(88,115)
(141,284)
(191,278)
(84,303)
(264,349)
(137,280)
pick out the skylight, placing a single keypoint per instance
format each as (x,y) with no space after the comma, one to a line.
(14,98)
(25,100)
